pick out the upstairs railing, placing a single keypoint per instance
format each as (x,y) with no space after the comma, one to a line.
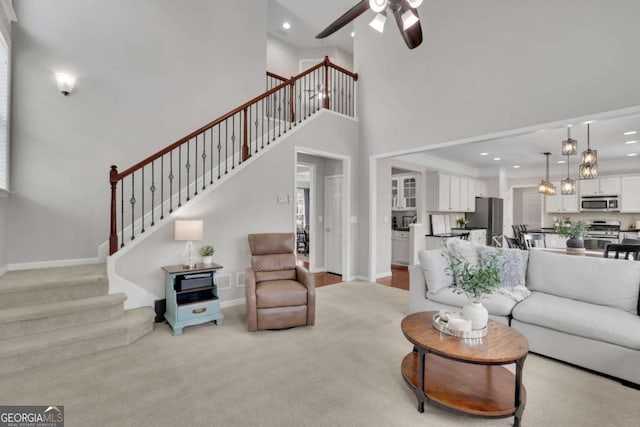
(153,188)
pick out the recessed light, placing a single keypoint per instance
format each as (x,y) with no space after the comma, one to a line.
(631,132)
(632,154)
(286,25)
(484,154)
(588,122)
(631,142)
(353,33)
(561,162)
(516,167)
(569,125)
(497,158)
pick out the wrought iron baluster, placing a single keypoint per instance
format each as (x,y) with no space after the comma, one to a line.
(122,212)
(262,116)
(219,147)
(132,201)
(142,207)
(195,174)
(233,141)
(256,124)
(204,157)
(179,175)
(211,156)
(226,146)
(278,97)
(188,166)
(161,188)
(153,192)
(171,181)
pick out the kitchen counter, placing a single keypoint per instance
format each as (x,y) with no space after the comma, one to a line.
(445,235)
(469,228)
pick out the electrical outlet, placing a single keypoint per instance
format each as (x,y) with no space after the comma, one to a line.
(282,199)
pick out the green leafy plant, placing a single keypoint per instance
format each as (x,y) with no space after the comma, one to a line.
(207,251)
(475,281)
(576,230)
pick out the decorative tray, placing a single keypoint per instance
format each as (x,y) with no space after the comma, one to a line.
(442,325)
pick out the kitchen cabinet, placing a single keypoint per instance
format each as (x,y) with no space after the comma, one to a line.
(481,189)
(610,186)
(450,193)
(630,194)
(561,203)
(400,251)
(404,192)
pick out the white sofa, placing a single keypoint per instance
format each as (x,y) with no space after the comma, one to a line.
(582,310)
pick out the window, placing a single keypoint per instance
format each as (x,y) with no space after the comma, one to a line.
(4,114)
(300,209)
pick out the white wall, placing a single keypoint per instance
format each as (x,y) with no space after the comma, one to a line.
(284,58)
(149,72)
(493,65)
(246,203)
(4,202)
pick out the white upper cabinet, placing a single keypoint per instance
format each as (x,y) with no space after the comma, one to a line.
(404,192)
(610,186)
(449,193)
(630,196)
(561,203)
(481,189)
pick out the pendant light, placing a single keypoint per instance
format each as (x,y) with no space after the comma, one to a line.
(568,186)
(546,187)
(589,165)
(569,146)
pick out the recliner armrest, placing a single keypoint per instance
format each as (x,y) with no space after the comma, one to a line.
(250,299)
(305,277)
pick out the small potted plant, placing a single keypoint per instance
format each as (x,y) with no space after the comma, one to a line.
(206,252)
(462,222)
(476,282)
(574,231)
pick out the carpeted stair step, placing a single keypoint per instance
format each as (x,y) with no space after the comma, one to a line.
(33,319)
(34,350)
(30,287)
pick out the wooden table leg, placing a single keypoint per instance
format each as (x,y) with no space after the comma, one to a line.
(518,401)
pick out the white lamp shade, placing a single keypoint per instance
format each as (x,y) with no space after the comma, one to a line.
(415,3)
(378,5)
(65,82)
(408,19)
(378,22)
(188,230)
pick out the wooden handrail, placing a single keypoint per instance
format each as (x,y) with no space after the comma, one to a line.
(244,113)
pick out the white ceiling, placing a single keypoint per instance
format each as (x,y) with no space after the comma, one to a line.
(307,19)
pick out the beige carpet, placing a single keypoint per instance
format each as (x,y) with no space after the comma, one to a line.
(345,371)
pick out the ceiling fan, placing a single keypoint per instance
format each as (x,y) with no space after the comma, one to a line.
(405,12)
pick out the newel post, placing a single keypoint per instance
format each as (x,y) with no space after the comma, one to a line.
(113,235)
(326,82)
(245,137)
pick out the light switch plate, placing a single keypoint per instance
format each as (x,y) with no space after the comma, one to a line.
(282,199)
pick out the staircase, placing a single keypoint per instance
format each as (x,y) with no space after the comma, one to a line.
(54,314)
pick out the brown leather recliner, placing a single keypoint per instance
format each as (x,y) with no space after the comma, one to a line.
(279,293)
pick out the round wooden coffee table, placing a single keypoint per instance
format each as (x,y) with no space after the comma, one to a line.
(466,375)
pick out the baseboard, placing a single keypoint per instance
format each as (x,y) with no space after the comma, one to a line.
(385,274)
(360,278)
(231,302)
(319,270)
(3,270)
(51,264)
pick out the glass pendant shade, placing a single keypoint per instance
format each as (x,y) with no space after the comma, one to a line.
(378,22)
(568,186)
(589,165)
(546,187)
(414,3)
(378,5)
(409,19)
(570,145)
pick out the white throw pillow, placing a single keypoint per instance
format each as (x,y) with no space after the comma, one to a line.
(463,250)
(512,263)
(434,264)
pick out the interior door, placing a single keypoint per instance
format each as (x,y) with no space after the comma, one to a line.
(532,208)
(333,224)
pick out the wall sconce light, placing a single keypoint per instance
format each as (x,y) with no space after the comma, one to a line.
(188,230)
(66,82)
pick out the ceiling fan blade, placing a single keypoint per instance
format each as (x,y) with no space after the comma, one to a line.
(349,16)
(413,35)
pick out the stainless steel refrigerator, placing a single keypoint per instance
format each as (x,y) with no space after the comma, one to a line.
(488,214)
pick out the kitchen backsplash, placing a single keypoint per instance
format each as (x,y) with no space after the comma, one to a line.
(626,219)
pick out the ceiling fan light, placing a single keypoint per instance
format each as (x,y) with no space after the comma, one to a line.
(414,3)
(378,22)
(409,19)
(378,5)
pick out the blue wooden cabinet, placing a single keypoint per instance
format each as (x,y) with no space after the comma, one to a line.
(192,296)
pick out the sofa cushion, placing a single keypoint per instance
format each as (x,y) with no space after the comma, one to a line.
(580,318)
(434,264)
(463,250)
(496,304)
(610,282)
(512,262)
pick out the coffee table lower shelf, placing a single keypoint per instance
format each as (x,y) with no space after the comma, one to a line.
(474,389)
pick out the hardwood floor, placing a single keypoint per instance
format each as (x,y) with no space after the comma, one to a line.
(399,278)
(322,279)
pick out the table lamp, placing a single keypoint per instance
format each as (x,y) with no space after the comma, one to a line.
(188,230)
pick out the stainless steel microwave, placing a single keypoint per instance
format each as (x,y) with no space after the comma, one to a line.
(599,204)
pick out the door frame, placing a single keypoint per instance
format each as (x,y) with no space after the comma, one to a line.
(347,220)
(312,213)
(510,205)
(324,246)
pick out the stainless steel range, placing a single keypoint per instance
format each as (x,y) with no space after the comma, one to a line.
(602,232)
